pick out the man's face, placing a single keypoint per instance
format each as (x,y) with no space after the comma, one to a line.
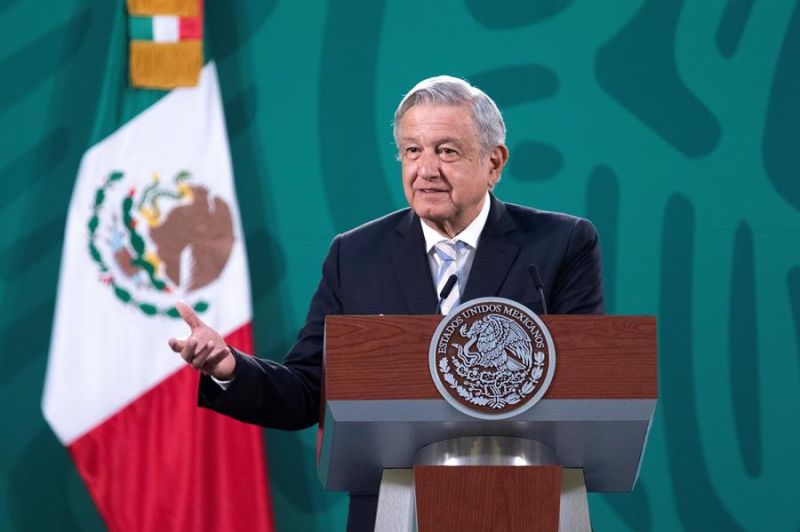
(445,173)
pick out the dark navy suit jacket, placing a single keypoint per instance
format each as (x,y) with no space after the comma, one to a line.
(382,268)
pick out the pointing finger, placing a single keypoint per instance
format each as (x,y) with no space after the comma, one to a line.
(188,315)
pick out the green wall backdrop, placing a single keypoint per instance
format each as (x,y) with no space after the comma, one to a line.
(673,125)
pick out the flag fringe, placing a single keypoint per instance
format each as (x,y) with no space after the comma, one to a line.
(181,8)
(165,65)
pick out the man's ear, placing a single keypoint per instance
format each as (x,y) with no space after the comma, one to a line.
(498,158)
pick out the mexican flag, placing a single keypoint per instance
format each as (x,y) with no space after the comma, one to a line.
(153,219)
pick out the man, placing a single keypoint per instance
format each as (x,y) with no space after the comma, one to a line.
(451,144)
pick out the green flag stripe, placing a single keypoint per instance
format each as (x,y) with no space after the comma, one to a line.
(140,28)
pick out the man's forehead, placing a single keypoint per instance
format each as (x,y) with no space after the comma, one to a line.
(439,139)
(441,111)
(440,122)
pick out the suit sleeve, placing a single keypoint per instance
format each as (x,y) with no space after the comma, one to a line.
(579,285)
(283,396)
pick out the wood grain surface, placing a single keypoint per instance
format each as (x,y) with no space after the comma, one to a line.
(487,498)
(386,357)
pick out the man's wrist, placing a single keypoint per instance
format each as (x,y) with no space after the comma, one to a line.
(225,381)
(224,384)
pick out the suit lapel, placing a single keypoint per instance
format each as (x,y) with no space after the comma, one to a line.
(495,255)
(411,267)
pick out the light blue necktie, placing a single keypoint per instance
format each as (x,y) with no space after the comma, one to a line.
(447,252)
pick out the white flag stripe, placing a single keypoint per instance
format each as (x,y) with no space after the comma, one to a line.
(166,28)
(104,354)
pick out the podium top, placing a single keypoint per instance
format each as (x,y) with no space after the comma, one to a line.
(386,357)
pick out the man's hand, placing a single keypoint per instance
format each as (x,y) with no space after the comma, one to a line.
(204,348)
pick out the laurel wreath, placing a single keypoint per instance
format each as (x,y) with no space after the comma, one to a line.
(509,399)
(138,245)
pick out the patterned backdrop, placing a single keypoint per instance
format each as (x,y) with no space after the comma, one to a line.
(674,126)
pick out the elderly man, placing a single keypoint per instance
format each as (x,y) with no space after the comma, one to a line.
(450,138)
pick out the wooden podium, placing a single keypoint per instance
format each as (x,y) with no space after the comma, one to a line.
(381,408)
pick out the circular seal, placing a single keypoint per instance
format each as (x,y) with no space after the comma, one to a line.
(154,241)
(492,358)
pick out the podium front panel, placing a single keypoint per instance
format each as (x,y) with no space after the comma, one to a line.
(381,404)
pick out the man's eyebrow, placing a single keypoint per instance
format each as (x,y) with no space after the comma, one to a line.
(443,140)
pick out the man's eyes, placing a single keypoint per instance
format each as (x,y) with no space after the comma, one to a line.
(445,153)
(412,152)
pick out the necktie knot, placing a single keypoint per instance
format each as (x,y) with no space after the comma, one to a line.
(446,251)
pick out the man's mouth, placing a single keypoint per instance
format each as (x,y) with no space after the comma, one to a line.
(430,190)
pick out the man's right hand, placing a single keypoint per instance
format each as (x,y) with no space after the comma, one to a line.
(204,349)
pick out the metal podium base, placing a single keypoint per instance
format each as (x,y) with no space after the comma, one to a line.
(396,502)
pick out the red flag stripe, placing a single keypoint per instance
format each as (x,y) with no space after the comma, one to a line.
(190,28)
(177,447)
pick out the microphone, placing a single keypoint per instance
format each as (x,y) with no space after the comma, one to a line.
(446,289)
(537,282)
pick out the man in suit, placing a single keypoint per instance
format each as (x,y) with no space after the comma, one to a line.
(451,144)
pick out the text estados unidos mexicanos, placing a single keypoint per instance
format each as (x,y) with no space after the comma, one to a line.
(521,318)
(444,339)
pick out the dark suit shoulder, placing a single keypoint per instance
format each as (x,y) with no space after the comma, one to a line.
(363,263)
(565,250)
(369,244)
(530,218)
(379,227)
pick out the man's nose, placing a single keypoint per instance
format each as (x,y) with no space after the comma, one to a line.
(428,165)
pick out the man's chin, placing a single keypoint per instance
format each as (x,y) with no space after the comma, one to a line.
(433,208)
(432,215)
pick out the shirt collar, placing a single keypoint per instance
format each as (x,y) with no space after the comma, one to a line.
(469,235)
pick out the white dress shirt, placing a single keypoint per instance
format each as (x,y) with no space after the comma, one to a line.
(466,253)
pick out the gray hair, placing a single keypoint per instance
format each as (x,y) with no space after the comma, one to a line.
(447,90)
